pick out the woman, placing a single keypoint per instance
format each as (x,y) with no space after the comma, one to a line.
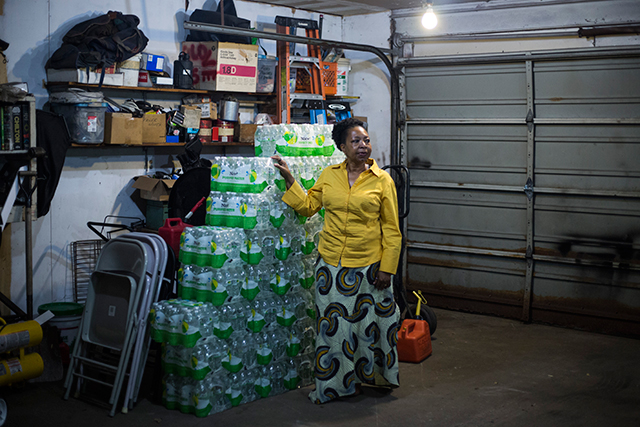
(357,318)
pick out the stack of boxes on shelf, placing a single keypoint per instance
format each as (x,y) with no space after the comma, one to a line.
(243,326)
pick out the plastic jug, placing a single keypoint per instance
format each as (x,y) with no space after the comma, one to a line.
(171,232)
(414,341)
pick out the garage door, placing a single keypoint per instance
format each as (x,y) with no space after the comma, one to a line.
(525,186)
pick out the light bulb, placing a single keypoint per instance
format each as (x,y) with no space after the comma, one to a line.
(429,19)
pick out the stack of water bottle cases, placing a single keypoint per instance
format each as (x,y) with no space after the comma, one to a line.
(243,325)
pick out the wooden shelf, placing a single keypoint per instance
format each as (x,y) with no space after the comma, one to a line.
(163,144)
(50,85)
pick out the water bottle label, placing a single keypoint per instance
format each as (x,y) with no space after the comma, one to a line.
(301,219)
(286,318)
(307,282)
(311,313)
(202,249)
(283,248)
(232,364)
(291,380)
(256,322)
(279,285)
(241,180)
(201,367)
(264,355)
(303,143)
(249,290)
(234,212)
(219,298)
(234,396)
(276,221)
(263,387)
(222,330)
(202,405)
(280,183)
(251,252)
(293,348)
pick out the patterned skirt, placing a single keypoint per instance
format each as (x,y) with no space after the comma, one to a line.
(357,329)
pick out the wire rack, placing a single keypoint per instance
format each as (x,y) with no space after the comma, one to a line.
(84,255)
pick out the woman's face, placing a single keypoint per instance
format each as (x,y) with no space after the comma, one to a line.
(357,147)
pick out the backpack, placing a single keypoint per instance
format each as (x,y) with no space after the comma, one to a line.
(99,42)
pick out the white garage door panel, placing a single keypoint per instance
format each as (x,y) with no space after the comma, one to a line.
(467,91)
(567,250)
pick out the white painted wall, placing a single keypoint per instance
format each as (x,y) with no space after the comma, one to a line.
(95,182)
(369,79)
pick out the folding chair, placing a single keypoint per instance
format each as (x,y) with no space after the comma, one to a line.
(110,318)
(155,275)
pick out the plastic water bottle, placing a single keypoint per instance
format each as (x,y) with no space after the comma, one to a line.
(294,343)
(187,282)
(291,377)
(264,353)
(202,399)
(262,384)
(246,345)
(277,341)
(251,286)
(187,245)
(279,281)
(170,391)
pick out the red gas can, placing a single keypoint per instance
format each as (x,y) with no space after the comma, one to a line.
(171,232)
(414,341)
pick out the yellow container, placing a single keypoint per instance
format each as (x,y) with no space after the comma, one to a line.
(21,368)
(20,335)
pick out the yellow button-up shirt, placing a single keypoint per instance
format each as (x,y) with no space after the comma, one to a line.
(360,222)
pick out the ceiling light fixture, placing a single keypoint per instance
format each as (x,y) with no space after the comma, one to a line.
(429,19)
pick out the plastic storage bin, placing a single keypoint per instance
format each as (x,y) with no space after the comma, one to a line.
(266,73)
(342,77)
(157,213)
(85,121)
(329,74)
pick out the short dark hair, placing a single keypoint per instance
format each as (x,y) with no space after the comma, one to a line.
(340,129)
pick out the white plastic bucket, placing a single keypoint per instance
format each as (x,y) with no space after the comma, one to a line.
(68,327)
(342,87)
(67,318)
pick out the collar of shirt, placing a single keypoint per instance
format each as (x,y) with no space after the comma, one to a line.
(373,166)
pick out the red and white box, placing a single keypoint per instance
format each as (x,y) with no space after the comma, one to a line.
(219,66)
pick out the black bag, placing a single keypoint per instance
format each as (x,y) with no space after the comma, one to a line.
(53,136)
(209,17)
(99,42)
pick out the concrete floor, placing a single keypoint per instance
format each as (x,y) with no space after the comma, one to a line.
(483,371)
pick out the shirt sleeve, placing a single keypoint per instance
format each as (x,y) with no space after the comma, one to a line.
(305,204)
(390,225)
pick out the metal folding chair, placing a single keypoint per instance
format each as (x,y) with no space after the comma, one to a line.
(110,318)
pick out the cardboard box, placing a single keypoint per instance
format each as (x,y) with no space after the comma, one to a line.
(80,76)
(192,114)
(244,132)
(209,110)
(153,188)
(154,128)
(230,67)
(151,62)
(130,77)
(122,129)
(132,63)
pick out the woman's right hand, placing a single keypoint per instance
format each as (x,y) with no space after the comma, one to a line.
(282,166)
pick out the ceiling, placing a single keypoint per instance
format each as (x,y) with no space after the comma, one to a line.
(357,7)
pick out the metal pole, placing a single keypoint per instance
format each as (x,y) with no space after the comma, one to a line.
(29,176)
(379,52)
